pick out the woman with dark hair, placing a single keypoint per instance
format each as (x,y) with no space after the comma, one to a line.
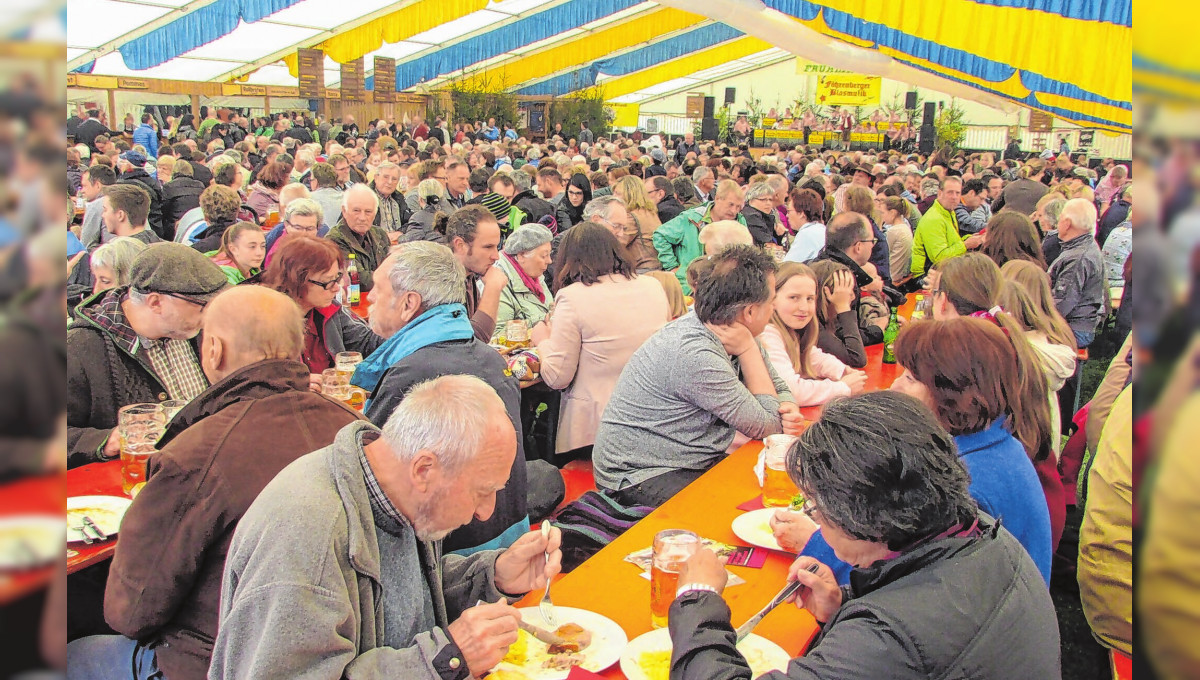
(1012,236)
(570,210)
(602,313)
(310,271)
(968,373)
(838,331)
(806,212)
(264,194)
(938,590)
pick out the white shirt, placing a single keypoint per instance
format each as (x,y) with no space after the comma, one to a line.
(807,243)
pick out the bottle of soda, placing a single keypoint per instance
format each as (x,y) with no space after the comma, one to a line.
(889,337)
(919,310)
(353,296)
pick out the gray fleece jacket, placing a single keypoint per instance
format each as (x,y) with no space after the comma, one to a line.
(303,594)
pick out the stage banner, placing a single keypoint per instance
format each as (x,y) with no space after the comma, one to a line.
(852,90)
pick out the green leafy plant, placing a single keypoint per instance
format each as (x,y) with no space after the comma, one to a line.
(754,109)
(584,105)
(950,128)
(725,118)
(479,97)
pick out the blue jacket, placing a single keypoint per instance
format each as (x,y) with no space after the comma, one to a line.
(147,137)
(276,233)
(1006,487)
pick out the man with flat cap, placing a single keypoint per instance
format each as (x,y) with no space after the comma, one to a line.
(217,455)
(133,344)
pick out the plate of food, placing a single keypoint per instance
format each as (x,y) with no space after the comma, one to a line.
(105,512)
(754,527)
(648,656)
(591,641)
(28,541)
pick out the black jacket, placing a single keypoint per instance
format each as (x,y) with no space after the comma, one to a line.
(682,149)
(88,131)
(154,220)
(761,225)
(1117,213)
(471,357)
(180,195)
(668,209)
(405,213)
(535,208)
(420,226)
(101,378)
(969,607)
(871,334)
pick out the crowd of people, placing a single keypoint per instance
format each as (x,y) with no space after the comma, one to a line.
(679,299)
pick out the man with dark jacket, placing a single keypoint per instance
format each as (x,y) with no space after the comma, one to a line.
(1117,213)
(1077,279)
(662,192)
(132,165)
(848,241)
(132,344)
(686,146)
(218,453)
(89,129)
(357,233)
(1013,150)
(180,195)
(428,335)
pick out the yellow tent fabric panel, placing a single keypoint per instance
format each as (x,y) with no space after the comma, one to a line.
(1103,111)
(627,114)
(399,25)
(686,65)
(1094,61)
(1167,86)
(588,47)
(1157,38)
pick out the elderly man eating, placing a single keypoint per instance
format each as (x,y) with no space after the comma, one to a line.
(336,571)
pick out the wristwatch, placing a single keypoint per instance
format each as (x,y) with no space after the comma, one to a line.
(690,587)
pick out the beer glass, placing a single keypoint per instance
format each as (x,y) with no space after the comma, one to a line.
(516,334)
(777,488)
(672,548)
(139,426)
(345,362)
(335,384)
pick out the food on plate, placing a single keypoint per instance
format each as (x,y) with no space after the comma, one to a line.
(517,651)
(656,665)
(103,517)
(561,662)
(575,639)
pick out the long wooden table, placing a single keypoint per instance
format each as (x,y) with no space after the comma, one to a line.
(40,495)
(96,479)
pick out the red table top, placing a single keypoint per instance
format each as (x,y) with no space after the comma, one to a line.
(33,496)
(97,479)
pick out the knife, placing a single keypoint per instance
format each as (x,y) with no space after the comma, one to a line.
(87,522)
(744,629)
(541,634)
(88,540)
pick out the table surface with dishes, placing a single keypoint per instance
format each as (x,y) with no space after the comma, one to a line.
(610,593)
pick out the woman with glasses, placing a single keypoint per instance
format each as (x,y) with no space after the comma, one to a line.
(938,589)
(301,216)
(311,271)
(570,211)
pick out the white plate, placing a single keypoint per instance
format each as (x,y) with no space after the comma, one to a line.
(754,528)
(608,639)
(30,541)
(105,511)
(763,655)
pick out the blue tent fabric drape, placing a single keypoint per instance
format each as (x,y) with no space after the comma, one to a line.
(1112,11)
(195,29)
(531,29)
(672,48)
(85,68)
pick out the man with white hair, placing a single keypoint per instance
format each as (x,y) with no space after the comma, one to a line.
(300,216)
(337,568)
(704,181)
(1077,275)
(717,235)
(357,234)
(304,162)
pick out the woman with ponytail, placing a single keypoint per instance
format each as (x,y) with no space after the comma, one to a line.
(969,373)
(243,248)
(1026,296)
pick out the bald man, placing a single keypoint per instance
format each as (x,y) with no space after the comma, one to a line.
(717,235)
(216,456)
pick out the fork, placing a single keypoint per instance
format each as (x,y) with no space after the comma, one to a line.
(547,606)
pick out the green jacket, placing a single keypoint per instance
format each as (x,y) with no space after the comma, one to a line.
(370,250)
(678,240)
(935,239)
(517,301)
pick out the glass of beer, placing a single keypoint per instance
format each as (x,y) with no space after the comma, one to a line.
(777,488)
(672,548)
(171,407)
(345,362)
(336,384)
(516,334)
(139,426)
(357,398)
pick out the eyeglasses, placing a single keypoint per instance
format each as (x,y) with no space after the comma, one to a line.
(185,299)
(809,508)
(292,226)
(440,178)
(575,192)
(327,285)
(872,240)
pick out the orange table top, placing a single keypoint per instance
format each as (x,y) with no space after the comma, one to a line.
(608,585)
(96,479)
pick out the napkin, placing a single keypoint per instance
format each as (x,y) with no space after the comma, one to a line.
(755,503)
(578,673)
